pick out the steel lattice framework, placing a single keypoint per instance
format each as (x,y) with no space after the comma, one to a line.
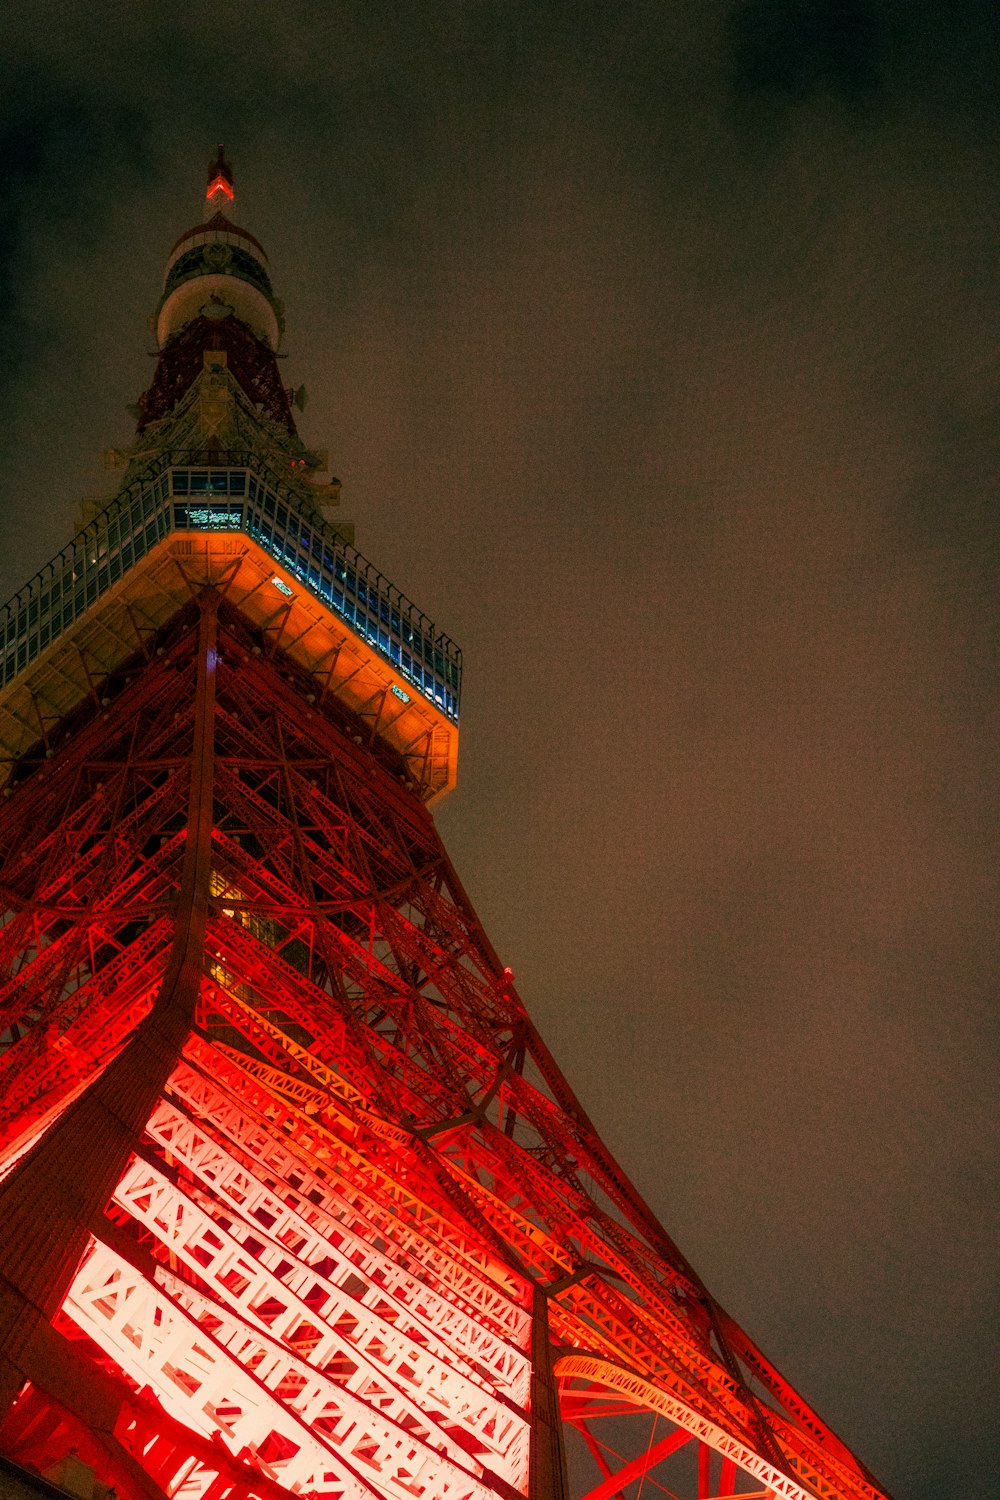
(295,1199)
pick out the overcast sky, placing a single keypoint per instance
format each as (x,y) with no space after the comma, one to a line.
(656,346)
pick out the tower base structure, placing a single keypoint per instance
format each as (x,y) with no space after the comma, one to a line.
(296,1200)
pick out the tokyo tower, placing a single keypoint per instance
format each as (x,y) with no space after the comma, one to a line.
(294,1200)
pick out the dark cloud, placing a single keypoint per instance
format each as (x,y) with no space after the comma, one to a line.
(655,348)
(794,48)
(54,143)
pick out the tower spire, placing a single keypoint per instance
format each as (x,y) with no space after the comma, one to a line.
(220,192)
(217,296)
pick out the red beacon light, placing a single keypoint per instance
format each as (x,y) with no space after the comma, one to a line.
(220,178)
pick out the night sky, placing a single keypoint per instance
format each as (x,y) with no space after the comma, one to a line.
(656,346)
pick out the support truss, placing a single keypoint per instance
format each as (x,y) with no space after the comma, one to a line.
(350,1233)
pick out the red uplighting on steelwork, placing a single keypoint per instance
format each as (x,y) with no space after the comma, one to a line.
(295,1200)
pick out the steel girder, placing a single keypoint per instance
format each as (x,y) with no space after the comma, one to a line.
(310,1207)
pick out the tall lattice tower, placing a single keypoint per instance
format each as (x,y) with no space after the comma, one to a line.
(295,1200)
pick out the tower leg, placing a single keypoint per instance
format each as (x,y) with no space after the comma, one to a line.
(62,1185)
(547,1475)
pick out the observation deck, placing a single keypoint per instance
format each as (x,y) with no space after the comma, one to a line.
(235,524)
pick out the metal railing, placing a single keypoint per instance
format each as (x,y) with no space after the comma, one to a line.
(233,492)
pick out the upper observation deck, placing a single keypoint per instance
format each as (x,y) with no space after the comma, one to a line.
(229,520)
(220,491)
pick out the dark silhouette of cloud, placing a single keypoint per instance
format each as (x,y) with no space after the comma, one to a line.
(794,48)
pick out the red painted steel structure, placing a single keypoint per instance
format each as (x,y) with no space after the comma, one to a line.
(295,1200)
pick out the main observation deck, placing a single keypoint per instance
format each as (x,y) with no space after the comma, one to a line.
(235,524)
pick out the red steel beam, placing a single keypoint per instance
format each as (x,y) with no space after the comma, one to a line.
(64,1181)
(639,1466)
(704,1471)
(599,1459)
